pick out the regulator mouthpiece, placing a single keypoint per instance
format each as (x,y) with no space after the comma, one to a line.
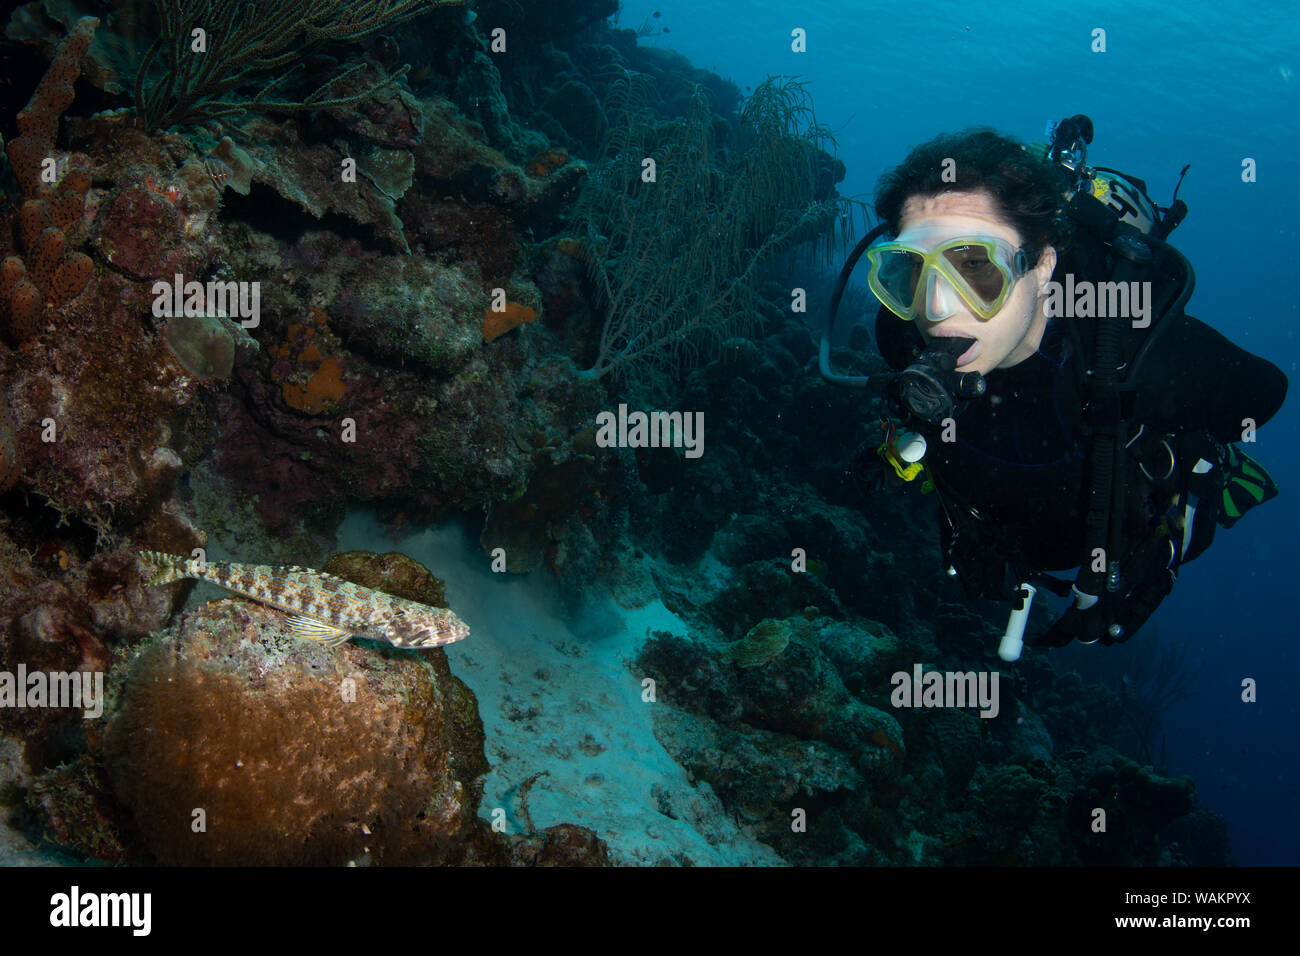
(929,388)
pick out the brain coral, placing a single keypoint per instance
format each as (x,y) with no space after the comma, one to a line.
(234,743)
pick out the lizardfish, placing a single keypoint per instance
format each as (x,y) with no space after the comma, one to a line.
(325,608)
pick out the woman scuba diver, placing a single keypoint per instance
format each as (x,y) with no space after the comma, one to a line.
(1094,432)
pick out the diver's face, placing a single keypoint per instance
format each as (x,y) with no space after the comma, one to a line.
(1015,331)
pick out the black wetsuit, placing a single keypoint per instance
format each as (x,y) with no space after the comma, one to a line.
(1015,481)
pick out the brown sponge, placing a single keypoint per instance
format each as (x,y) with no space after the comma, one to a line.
(38,121)
(25,308)
(71,277)
(11,270)
(33,219)
(67,209)
(46,256)
(77,181)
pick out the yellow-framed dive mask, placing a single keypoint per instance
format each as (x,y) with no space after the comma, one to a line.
(909,279)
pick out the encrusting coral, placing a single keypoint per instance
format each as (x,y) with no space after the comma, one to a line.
(310,381)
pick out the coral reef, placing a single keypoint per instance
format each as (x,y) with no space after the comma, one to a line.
(64,603)
(801,693)
(403,231)
(310,172)
(762,776)
(141,231)
(102,439)
(470,202)
(813,728)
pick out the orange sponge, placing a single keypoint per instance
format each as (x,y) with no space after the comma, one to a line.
(496,324)
(322,389)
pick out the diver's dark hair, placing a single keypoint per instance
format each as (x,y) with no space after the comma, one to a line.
(1026,192)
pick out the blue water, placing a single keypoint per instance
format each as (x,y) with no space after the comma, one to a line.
(1203,83)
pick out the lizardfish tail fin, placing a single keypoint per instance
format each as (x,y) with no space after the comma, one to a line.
(165,568)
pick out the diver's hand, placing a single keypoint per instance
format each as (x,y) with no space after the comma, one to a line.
(869,472)
(1073,625)
(1147,569)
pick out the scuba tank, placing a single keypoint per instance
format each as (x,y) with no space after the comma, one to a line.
(1126,196)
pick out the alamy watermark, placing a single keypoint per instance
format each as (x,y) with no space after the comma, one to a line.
(239,300)
(651,430)
(78,909)
(79,690)
(1099,300)
(923,688)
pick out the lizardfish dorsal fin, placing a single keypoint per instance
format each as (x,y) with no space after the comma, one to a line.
(166,568)
(313,630)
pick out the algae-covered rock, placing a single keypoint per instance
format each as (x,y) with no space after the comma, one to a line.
(955,736)
(393,573)
(865,653)
(404,309)
(799,692)
(765,642)
(1008,797)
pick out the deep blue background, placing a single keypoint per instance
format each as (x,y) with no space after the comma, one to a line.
(1208,84)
